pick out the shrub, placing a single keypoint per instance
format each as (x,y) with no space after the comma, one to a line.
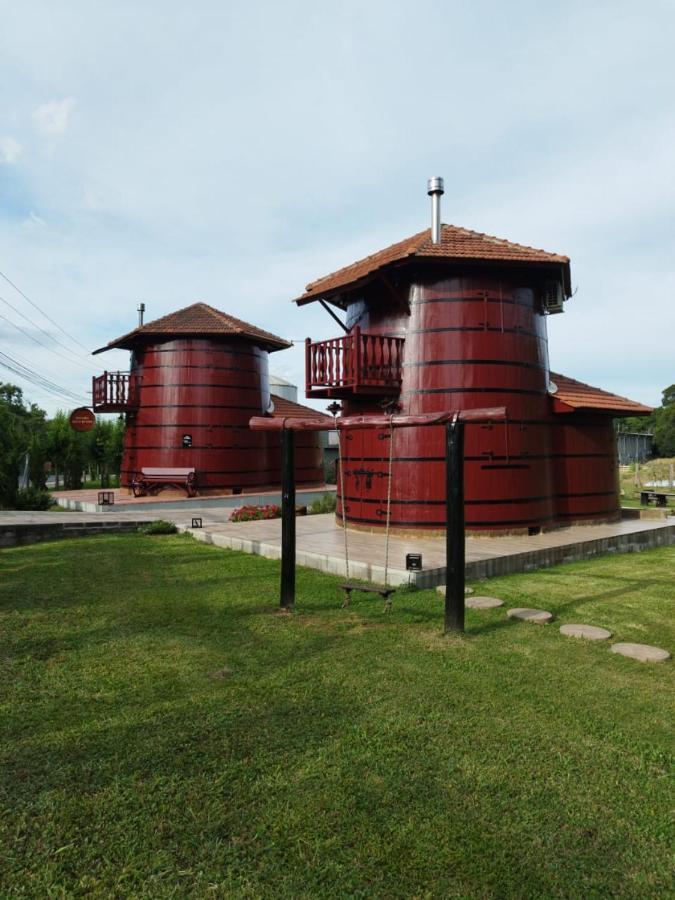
(325,504)
(249,513)
(32,498)
(158,526)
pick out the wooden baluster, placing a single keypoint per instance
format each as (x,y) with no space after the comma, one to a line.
(357,344)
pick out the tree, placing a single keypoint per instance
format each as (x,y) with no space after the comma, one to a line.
(105,448)
(58,436)
(668,396)
(22,430)
(664,431)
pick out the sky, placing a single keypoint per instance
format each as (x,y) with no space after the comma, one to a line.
(230,153)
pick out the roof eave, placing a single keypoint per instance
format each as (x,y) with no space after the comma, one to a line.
(563,408)
(333,295)
(128,341)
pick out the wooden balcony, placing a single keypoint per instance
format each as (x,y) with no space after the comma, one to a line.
(357,363)
(114,392)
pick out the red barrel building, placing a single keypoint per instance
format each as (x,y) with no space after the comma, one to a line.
(196,377)
(454,319)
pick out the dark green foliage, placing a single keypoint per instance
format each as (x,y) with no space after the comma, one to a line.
(661,423)
(22,431)
(668,396)
(158,526)
(325,504)
(106,443)
(32,498)
(664,432)
(167,734)
(636,424)
(330,472)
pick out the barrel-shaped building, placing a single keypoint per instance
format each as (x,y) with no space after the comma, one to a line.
(457,320)
(196,378)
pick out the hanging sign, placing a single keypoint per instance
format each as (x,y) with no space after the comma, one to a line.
(82,419)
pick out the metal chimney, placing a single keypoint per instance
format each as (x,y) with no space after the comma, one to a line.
(141,310)
(435,191)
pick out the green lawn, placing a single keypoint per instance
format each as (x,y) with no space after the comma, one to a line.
(166,733)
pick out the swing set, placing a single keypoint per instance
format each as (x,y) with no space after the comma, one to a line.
(454,468)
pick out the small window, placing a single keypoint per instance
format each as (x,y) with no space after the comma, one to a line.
(187,441)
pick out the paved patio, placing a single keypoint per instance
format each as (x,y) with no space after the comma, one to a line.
(320,545)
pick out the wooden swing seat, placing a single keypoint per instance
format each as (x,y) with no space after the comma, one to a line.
(384,592)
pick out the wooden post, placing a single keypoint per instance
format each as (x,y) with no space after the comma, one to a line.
(287,519)
(454,534)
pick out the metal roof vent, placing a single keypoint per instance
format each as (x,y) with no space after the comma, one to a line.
(435,191)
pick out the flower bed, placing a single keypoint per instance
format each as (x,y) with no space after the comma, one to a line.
(249,513)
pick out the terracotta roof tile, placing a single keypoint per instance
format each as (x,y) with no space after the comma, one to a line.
(288,409)
(571,395)
(198,320)
(456,244)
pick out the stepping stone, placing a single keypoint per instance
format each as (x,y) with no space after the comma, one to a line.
(590,632)
(643,652)
(538,616)
(483,602)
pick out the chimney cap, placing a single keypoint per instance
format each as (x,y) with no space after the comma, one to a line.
(435,185)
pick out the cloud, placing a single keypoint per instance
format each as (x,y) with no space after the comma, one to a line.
(51,119)
(10,150)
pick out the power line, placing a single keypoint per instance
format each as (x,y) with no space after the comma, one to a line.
(37,380)
(30,373)
(49,319)
(51,337)
(32,337)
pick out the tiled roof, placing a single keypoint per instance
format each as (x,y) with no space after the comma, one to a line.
(457,244)
(198,320)
(288,409)
(572,395)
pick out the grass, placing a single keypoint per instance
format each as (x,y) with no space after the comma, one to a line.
(166,733)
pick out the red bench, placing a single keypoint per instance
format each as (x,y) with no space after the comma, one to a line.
(151,480)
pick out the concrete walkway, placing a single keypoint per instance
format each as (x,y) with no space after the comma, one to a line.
(86,500)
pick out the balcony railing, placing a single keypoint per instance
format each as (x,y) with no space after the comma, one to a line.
(115,392)
(357,363)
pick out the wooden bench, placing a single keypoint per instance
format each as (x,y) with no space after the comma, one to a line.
(151,480)
(660,498)
(385,592)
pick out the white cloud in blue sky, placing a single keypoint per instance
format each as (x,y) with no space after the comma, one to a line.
(172,152)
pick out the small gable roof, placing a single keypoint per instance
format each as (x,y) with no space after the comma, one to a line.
(288,409)
(197,320)
(571,395)
(456,245)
